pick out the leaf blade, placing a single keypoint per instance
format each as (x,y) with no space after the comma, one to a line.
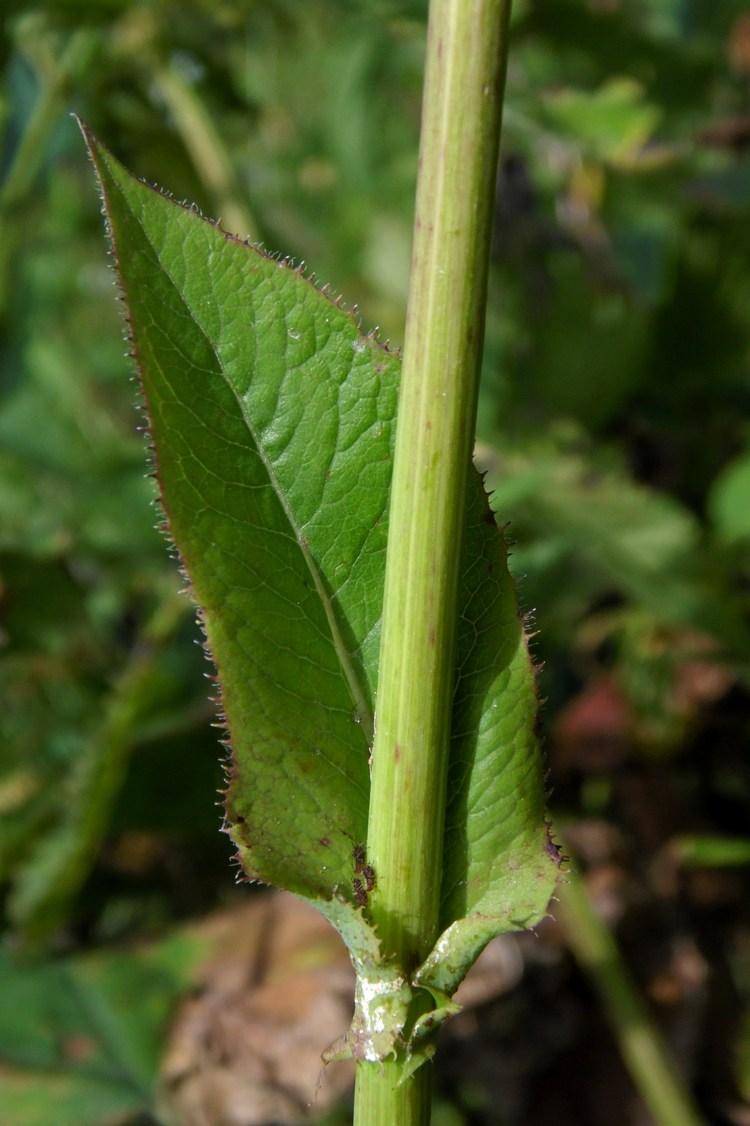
(215,487)
(293,411)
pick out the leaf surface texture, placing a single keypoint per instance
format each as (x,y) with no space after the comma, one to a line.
(272,419)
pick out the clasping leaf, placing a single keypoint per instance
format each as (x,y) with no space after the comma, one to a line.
(272,423)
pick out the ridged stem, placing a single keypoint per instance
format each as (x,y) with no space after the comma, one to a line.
(464,79)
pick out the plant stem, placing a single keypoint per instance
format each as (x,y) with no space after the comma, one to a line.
(381,1100)
(464,79)
(643,1049)
(38,905)
(435,434)
(54,76)
(206,149)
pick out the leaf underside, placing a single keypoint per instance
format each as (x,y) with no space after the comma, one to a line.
(272,420)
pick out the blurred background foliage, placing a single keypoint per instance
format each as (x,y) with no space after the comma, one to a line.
(613,428)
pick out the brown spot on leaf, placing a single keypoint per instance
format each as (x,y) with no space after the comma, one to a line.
(360,895)
(554,851)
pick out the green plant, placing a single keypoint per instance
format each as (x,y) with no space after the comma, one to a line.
(611,423)
(380,704)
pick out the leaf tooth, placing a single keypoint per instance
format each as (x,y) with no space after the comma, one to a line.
(552,848)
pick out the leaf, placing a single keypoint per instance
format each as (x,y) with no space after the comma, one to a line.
(622,533)
(613,122)
(271,994)
(728,500)
(74,1049)
(272,418)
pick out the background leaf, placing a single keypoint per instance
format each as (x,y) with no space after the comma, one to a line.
(74,1022)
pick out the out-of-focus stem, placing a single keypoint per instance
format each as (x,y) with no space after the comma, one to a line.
(642,1045)
(206,149)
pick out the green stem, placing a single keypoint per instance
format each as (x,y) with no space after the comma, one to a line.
(54,81)
(63,862)
(437,411)
(206,149)
(466,52)
(54,76)
(382,1100)
(643,1049)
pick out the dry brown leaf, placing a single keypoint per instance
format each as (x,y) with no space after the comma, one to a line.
(246,1049)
